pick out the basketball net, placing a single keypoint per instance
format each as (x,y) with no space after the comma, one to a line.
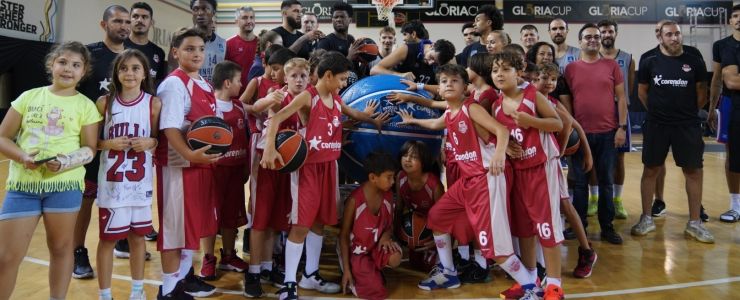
(385,10)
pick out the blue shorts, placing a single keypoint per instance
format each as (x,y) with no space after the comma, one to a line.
(723,118)
(627,138)
(21,204)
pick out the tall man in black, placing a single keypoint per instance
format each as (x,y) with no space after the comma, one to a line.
(673,86)
(295,40)
(142,19)
(340,40)
(488,19)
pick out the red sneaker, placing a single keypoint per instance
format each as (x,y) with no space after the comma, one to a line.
(553,292)
(586,261)
(208,268)
(232,262)
(514,292)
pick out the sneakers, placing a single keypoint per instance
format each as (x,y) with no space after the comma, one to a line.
(289,292)
(730,216)
(516,291)
(703,215)
(196,287)
(586,262)
(316,282)
(472,272)
(137,296)
(121,250)
(252,286)
(621,213)
(593,205)
(152,236)
(177,294)
(208,268)
(611,236)
(659,208)
(274,277)
(231,262)
(699,232)
(553,292)
(440,280)
(541,272)
(82,268)
(645,225)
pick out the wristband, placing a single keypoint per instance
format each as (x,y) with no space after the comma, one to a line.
(419,86)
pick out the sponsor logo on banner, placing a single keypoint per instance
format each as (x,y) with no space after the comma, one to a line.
(29,19)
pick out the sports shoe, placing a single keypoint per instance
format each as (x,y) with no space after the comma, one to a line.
(252,286)
(516,291)
(643,227)
(730,216)
(553,292)
(699,232)
(593,205)
(121,250)
(274,277)
(208,268)
(541,272)
(177,294)
(152,236)
(231,262)
(703,215)
(440,280)
(289,292)
(82,268)
(530,294)
(472,272)
(245,241)
(196,287)
(611,236)
(586,262)
(137,296)
(620,212)
(316,282)
(659,208)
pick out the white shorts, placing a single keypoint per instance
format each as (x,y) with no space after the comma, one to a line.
(116,223)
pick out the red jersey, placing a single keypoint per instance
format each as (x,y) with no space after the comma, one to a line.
(490,96)
(293,122)
(471,153)
(368,227)
(422,200)
(324,129)
(538,146)
(236,118)
(256,121)
(242,52)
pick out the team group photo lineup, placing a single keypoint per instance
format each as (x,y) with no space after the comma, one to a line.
(295,159)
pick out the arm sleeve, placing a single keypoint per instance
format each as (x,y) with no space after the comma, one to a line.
(173,94)
(20,103)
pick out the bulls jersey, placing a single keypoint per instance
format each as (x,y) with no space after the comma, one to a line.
(233,113)
(419,201)
(538,146)
(369,227)
(125,177)
(471,153)
(324,129)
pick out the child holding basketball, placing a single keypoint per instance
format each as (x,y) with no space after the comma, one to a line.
(48,134)
(314,185)
(481,192)
(126,176)
(365,239)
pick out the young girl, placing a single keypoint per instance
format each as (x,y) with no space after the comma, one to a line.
(125,179)
(44,123)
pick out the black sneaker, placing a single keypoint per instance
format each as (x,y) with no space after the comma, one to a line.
(703,215)
(473,273)
(569,234)
(152,236)
(121,250)
(252,286)
(245,241)
(274,277)
(612,237)
(177,294)
(196,287)
(289,292)
(82,268)
(541,272)
(659,208)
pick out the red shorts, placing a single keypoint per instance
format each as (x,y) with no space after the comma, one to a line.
(482,201)
(315,194)
(91,190)
(535,203)
(116,223)
(230,182)
(187,207)
(271,199)
(367,274)
(452,173)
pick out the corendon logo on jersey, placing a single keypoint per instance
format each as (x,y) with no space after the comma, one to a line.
(518,136)
(659,81)
(317,144)
(467,156)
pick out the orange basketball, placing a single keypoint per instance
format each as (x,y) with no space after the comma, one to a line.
(292,148)
(413,231)
(368,51)
(574,142)
(210,130)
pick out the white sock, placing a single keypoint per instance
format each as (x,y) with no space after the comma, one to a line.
(186,262)
(293,252)
(266,265)
(735,202)
(618,190)
(137,287)
(169,281)
(444,248)
(554,281)
(105,294)
(540,254)
(464,251)
(313,252)
(516,269)
(480,259)
(532,274)
(594,190)
(254,269)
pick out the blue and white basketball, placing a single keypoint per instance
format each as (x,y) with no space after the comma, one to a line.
(365,138)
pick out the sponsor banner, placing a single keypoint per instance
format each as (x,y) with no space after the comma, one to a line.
(34,20)
(453,11)
(320,8)
(706,12)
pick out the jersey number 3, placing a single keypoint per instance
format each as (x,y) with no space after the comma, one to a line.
(137,166)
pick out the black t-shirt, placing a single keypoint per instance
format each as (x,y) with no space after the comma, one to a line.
(468,51)
(730,56)
(290,38)
(561,88)
(334,43)
(687,49)
(156,57)
(717,49)
(415,64)
(671,84)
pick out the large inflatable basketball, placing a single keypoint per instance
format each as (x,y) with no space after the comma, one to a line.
(365,138)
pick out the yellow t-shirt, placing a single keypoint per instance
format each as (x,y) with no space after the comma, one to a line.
(50,124)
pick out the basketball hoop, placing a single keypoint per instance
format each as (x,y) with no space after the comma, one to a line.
(385,10)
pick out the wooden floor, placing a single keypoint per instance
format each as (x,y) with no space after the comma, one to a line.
(663,265)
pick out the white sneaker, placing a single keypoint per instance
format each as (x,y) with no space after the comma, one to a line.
(315,282)
(137,296)
(699,232)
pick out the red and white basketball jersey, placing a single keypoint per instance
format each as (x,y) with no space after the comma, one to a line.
(422,200)
(236,118)
(256,121)
(538,146)
(125,178)
(323,133)
(368,227)
(471,153)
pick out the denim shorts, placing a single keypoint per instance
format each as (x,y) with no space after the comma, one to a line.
(21,204)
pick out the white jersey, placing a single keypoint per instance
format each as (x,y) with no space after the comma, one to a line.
(215,53)
(126,177)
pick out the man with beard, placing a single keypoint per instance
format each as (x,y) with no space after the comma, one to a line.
(605,124)
(608,29)
(673,86)
(564,54)
(141,21)
(340,40)
(295,40)
(242,47)
(529,36)
(488,19)
(117,26)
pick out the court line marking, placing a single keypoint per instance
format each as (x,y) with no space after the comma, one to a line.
(570,296)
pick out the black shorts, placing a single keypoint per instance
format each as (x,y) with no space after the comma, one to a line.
(733,141)
(685,141)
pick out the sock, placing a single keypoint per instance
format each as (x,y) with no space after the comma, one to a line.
(444,248)
(735,202)
(293,252)
(554,281)
(695,222)
(254,269)
(169,281)
(464,251)
(594,190)
(266,265)
(618,190)
(105,294)
(532,274)
(480,259)
(313,252)
(137,287)
(186,262)
(516,269)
